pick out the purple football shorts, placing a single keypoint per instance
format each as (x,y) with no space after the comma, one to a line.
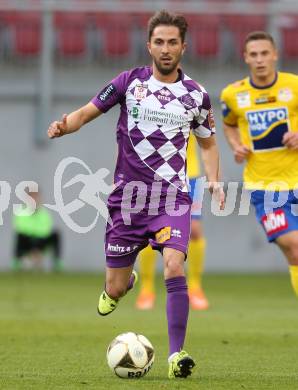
(125,238)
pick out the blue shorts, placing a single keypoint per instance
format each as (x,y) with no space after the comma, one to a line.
(280,220)
(196,194)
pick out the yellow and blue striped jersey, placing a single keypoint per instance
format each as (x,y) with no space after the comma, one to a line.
(263,115)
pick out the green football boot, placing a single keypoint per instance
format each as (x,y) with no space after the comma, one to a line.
(181,365)
(107,304)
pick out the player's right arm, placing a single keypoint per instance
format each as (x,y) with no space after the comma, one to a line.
(230,126)
(112,94)
(240,151)
(73,121)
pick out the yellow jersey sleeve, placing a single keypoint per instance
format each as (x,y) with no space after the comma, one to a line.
(227,106)
(192,158)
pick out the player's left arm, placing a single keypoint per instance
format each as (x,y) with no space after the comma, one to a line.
(290,138)
(210,158)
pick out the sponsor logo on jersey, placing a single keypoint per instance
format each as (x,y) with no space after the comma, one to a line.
(285,94)
(265,99)
(106,93)
(267,127)
(211,120)
(163,235)
(135,112)
(140,91)
(275,222)
(243,99)
(160,117)
(119,249)
(164,95)
(176,233)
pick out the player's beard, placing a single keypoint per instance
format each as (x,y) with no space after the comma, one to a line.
(165,71)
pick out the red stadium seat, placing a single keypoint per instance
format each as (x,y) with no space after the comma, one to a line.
(116,31)
(204,34)
(140,21)
(71,33)
(241,25)
(7,17)
(289,35)
(26,32)
(142,18)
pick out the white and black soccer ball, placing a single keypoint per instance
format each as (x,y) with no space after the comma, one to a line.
(130,355)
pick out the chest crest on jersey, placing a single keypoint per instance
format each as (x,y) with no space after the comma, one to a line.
(243,99)
(285,94)
(187,101)
(140,91)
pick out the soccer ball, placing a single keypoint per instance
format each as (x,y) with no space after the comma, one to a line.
(130,355)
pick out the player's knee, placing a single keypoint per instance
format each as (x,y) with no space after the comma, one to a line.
(294,254)
(173,266)
(290,248)
(196,230)
(195,235)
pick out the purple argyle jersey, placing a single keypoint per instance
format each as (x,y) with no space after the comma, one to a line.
(154,124)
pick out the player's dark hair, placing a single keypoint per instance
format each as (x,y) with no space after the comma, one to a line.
(165,18)
(257,36)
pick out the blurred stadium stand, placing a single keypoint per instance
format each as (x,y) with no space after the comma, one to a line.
(289,36)
(88,30)
(47,35)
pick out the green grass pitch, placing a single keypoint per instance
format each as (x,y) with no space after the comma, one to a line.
(52,338)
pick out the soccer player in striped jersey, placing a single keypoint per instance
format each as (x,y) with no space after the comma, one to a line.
(159,105)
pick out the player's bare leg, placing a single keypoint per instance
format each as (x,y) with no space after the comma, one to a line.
(195,262)
(180,363)
(118,282)
(288,243)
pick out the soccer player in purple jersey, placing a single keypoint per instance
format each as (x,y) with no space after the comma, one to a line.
(150,203)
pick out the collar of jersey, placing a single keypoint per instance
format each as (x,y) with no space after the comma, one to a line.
(265,86)
(163,83)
